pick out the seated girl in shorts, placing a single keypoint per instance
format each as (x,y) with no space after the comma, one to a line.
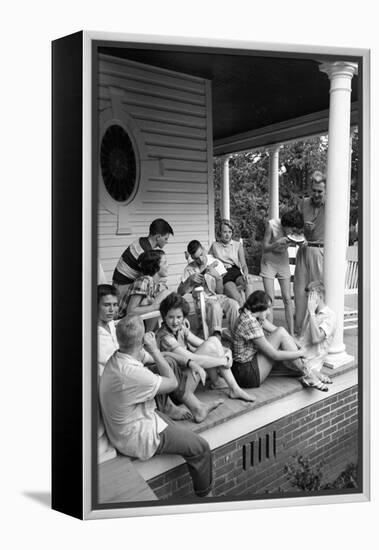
(254,354)
(232,255)
(275,261)
(175,336)
(147,292)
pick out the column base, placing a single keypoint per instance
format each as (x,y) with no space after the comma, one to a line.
(336,360)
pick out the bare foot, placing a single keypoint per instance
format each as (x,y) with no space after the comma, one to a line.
(179,413)
(205,410)
(240,394)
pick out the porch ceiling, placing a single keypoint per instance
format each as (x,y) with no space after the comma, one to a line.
(249,91)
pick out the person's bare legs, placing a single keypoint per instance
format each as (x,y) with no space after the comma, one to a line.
(198,409)
(231,291)
(285,287)
(214,347)
(268,285)
(280,339)
(249,286)
(235,391)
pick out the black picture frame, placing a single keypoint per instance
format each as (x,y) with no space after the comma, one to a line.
(75,175)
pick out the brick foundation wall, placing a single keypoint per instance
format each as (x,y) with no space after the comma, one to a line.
(254,464)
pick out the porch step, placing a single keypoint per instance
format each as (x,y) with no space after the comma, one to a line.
(120,481)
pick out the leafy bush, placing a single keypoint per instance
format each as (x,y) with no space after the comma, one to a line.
(348,479)
(302,476)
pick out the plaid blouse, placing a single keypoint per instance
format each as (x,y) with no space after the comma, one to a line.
(145,287)
(246,330)
(168,341)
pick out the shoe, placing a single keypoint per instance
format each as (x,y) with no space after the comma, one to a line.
(313,383)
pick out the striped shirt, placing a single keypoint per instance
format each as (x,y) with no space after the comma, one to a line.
(127,269)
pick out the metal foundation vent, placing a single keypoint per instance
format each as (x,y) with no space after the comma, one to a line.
(259,449)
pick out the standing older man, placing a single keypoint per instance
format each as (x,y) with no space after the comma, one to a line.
(310,257)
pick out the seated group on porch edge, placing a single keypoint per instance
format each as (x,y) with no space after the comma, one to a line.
(241,356)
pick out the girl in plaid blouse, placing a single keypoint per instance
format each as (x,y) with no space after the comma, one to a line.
(175,336)
(255,352)
(147,292)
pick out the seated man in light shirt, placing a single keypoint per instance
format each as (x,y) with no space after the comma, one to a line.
(317,333)
(107,344)
(134,426)
(206,271)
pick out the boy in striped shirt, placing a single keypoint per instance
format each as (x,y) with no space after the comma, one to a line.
(127,269)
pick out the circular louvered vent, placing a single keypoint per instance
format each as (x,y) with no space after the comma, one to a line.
(118,163)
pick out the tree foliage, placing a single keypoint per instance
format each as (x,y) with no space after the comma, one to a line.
(249,192)
(305,476)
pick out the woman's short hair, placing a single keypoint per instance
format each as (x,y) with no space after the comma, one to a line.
(150,261)
(257,301)
(174,301)
(292,218)
(226,222)
(105,290)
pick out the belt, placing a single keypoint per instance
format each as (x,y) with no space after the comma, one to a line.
(316,245)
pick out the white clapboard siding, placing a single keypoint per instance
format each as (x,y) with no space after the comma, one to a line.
(151,102)
(149,74)
(172,112)
(152,127)
(135,88)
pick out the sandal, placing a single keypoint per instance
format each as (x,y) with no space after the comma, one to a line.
(313,383)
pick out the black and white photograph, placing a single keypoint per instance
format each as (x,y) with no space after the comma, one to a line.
(189,251)
(227,227)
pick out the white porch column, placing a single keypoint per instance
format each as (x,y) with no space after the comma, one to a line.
(274,182)
(225,190)
(337,196)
